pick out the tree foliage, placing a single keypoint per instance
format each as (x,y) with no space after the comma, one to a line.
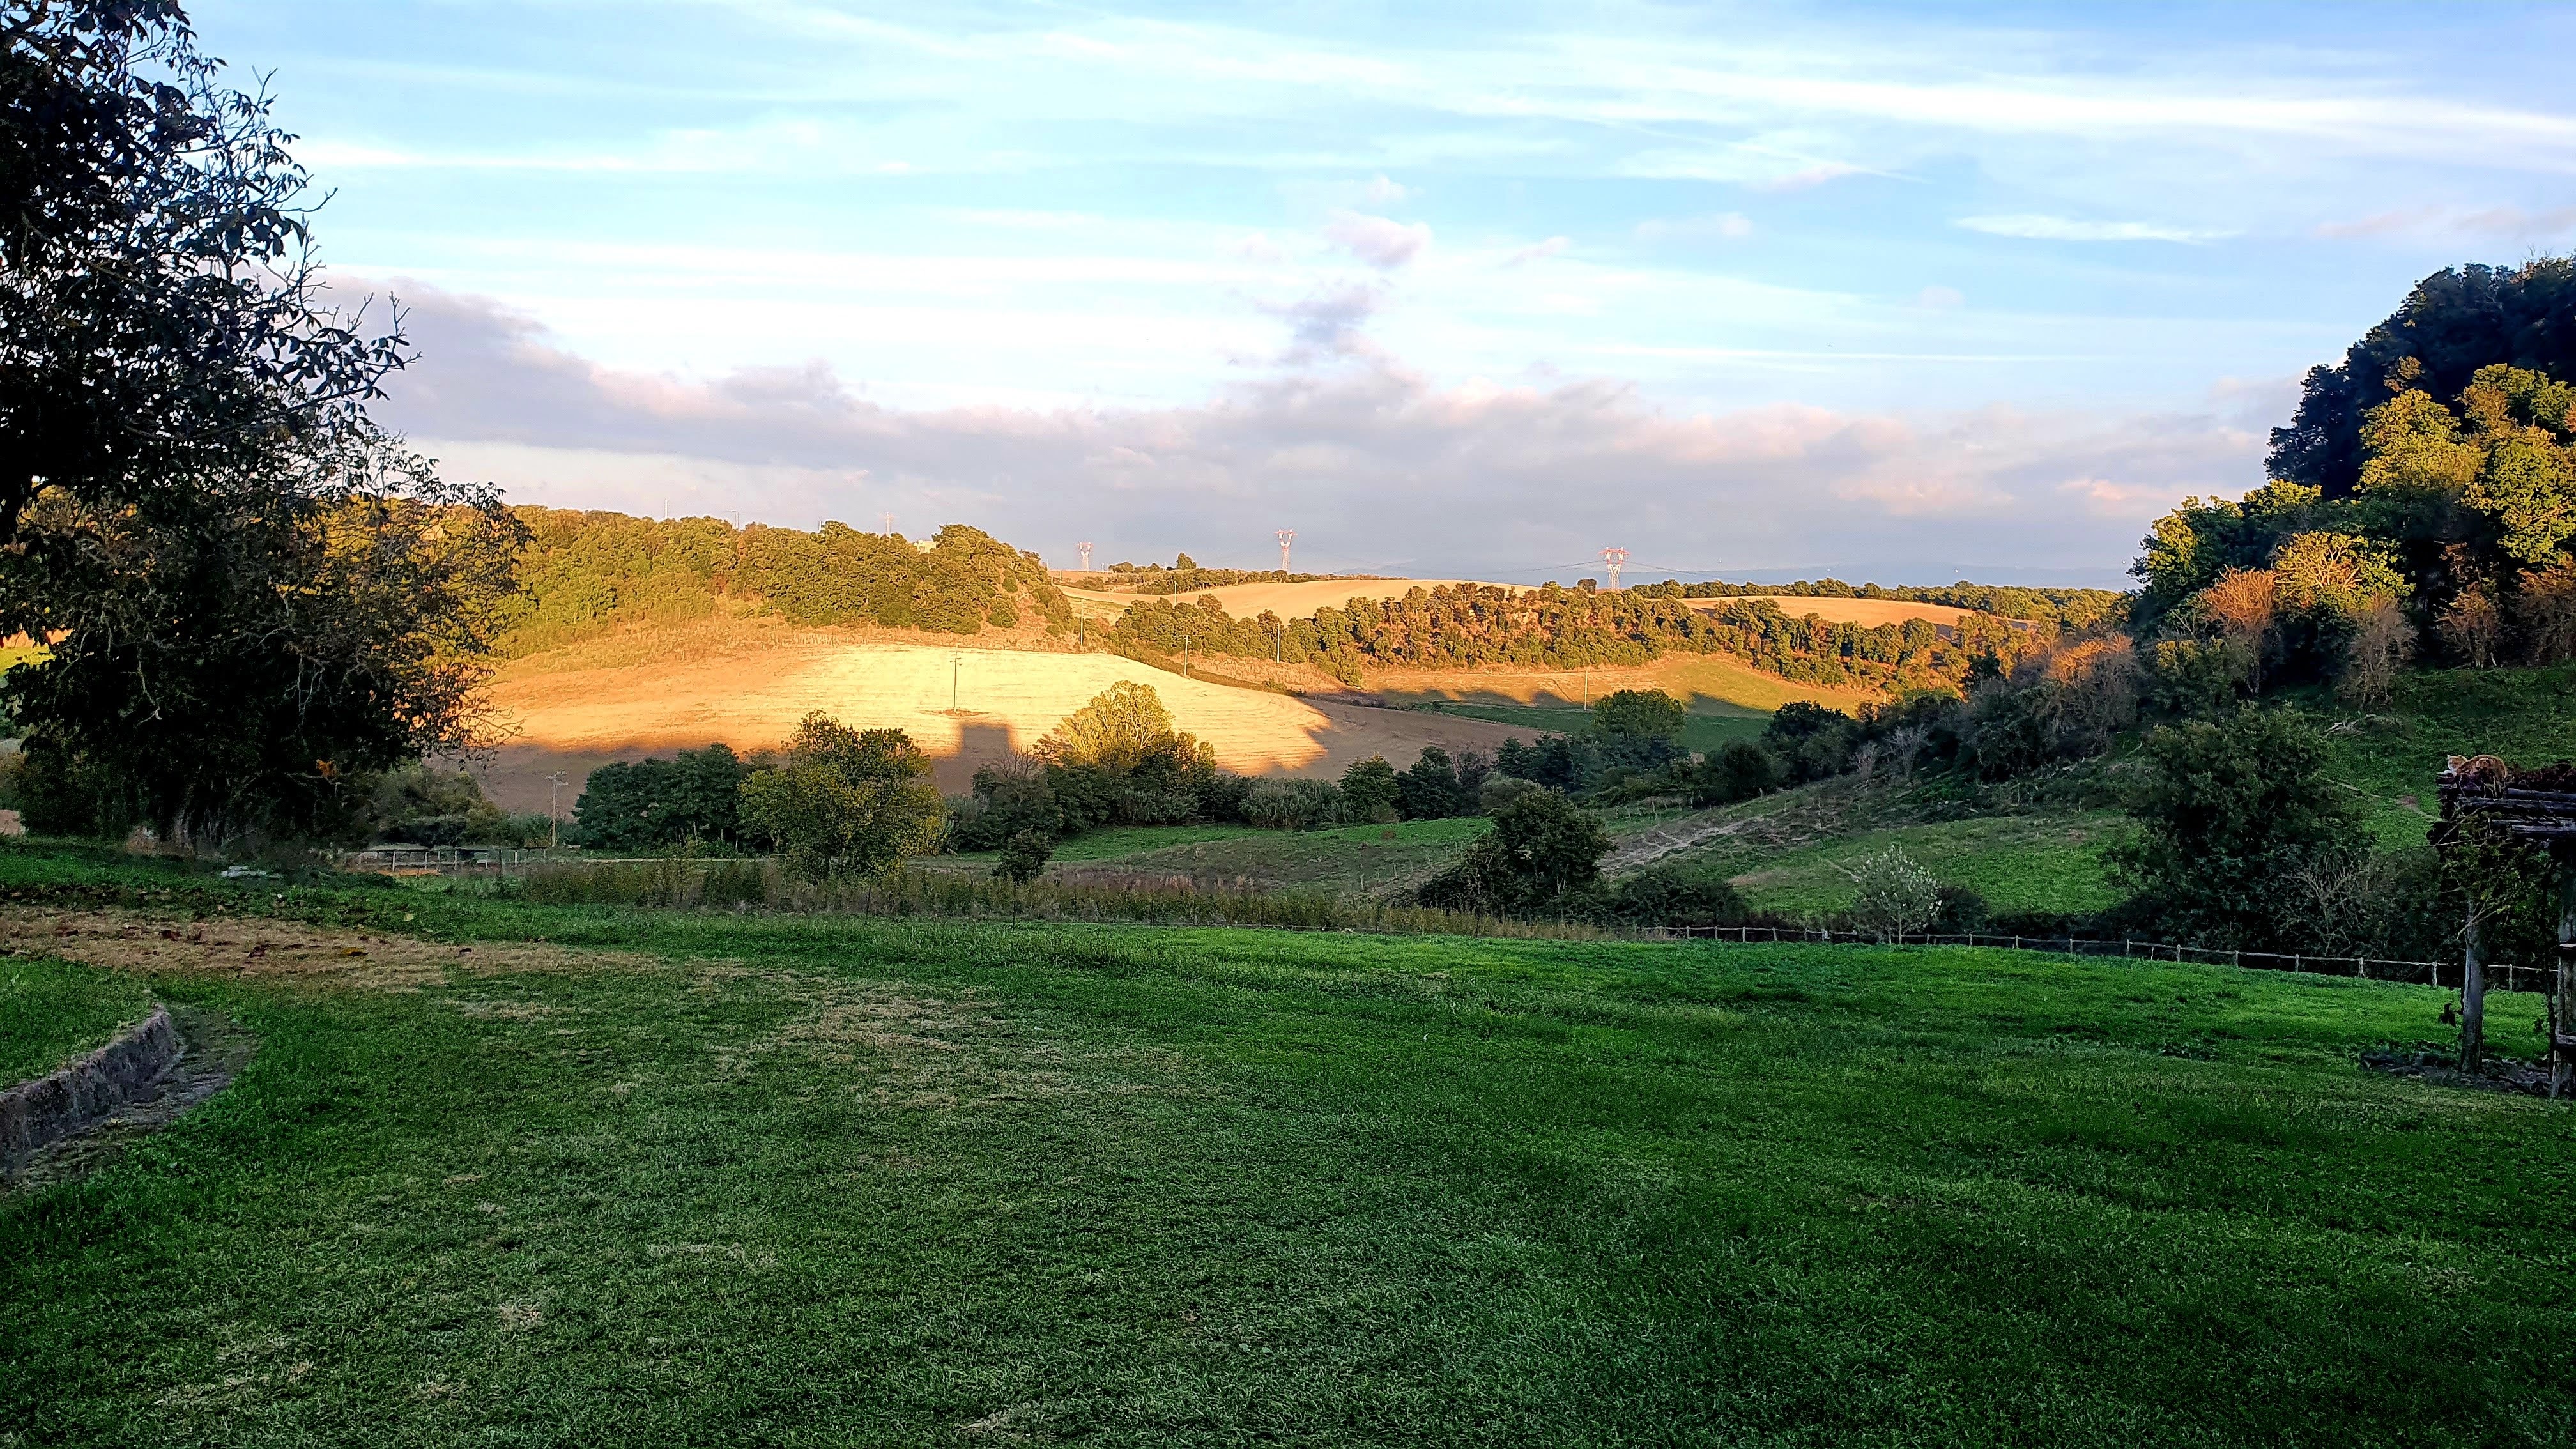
(1542,857)
(253,596)
(695,796)
(2229,811)
(845,802)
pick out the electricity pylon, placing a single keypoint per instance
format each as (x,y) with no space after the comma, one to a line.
(1614,559)
(1287,536)
(1085,550)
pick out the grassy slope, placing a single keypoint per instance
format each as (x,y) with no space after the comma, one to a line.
(1703,733)
(854,1182)
(2017,862)
(2390,753)
(52,1011)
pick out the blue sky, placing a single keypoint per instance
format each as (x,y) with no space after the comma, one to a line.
(1474,288)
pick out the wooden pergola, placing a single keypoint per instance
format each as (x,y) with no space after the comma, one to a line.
(2538,805)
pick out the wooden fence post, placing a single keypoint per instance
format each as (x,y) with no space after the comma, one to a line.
(2473,999)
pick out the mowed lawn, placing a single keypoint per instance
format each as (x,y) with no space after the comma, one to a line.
(52,1011)
(668,1178)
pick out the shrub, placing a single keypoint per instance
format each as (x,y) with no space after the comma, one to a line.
(1500,790)
(1025,856)
(1369,792)
(1739,770)
(1666,896)
(1892,896)
(1543,857)
(2230,811)
(846,801)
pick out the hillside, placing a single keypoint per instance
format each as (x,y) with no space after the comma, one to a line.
(747,682)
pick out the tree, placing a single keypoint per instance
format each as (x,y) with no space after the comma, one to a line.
(845,802)
(2229,810)
(1118,728)
(1431,789)
(1543,857)
(2472,627)
(1024,857)
(2382,642)
(1892,897)
(2451,324)
(1644,714)
(1740,770)
(254,596)
(650,804)
(2244,607)
(1370,790)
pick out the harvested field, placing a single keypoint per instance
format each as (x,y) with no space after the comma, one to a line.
(1869,613)
(1288,601)
(750,696)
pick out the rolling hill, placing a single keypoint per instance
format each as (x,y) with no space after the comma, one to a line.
(746,682)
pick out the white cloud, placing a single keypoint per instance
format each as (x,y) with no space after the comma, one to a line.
(2059,228)
(1372,462)
(1536,251)
(1378,241)
(1382,192)
(1940,299)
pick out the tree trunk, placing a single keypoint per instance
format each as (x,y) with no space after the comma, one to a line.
(2562,999)
(2473,1004)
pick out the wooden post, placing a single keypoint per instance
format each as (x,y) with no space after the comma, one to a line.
(2562,1000)
(2473,1000)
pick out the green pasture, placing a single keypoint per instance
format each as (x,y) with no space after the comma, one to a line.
(747,1179)
(52,1011)
(2018,863)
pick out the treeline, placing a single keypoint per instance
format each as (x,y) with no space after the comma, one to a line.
(1184,576)
(1472,625)
(582,573)
(2422,504)
(2069,609)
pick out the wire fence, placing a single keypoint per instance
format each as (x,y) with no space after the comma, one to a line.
(2500,975)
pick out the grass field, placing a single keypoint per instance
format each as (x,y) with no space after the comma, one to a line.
(2048,863)
(2390,753)
(661,1179)
(51,1011)
(1365,860)
(1701,733)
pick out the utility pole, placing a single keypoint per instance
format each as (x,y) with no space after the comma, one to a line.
(888,520)
(1614,559)
(956,662)
(1084,548)
(554,810)
(1287,536)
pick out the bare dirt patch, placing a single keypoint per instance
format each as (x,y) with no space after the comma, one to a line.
(277,950)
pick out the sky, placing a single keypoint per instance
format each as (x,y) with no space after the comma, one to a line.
(1751,292)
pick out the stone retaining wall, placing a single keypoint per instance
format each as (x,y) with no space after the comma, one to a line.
(35,1113)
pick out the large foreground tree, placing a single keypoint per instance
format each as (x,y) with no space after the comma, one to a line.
(251,593)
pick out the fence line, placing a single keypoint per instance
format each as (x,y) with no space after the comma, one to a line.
(2501,975)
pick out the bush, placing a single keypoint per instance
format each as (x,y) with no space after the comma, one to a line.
(1739,770)
(1542,858)
(1666,896)
(1892,896)
(2231,811)
(846,801)
(1369,792)
(1024,857)
(1500,790)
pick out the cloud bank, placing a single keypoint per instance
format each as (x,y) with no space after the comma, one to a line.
(1374,465)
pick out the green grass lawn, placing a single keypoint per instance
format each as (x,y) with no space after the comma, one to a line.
(52,1011)
(2017,862)
(1704,733)
(1352,859)
(1112,842)
(826,1181)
